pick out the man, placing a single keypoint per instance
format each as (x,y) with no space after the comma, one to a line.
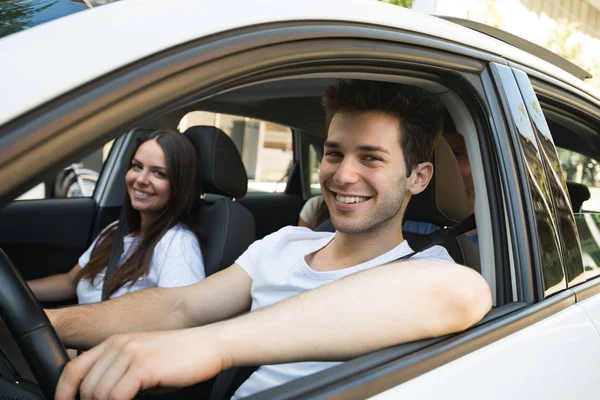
(315,297)
(457,143)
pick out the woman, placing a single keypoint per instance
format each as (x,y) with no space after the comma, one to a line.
(163,246)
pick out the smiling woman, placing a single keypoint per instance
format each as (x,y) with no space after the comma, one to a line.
(162,248)
(147,183)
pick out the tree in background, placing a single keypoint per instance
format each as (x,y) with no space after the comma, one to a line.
(401,3)
(564,39)
(15,15)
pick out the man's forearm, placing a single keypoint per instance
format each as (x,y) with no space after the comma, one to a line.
(85,326)
(385,306)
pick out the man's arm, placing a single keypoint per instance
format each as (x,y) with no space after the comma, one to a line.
(220,296)
(364,312)
(367,311)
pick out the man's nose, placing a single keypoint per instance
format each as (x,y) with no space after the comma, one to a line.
(347,172)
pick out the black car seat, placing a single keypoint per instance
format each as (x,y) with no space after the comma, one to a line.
(444,203)
(228,227)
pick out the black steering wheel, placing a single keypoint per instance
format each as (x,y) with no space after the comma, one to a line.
(31,329)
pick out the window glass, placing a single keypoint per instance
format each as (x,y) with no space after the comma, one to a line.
(75,180)
(314,165)
(583,181)
(588,226)
(265,147)
(584,170)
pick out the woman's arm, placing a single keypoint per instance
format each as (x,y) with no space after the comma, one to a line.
(56,287)
(302,222)
(220,296)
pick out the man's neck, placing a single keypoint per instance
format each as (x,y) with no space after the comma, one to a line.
(347,250)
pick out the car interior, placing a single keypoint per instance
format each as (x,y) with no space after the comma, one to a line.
(46,236)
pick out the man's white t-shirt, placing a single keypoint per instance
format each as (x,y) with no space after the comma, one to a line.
(176,261)
(278,270)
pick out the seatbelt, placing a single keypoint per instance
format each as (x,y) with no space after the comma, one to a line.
(443,235)
(115,252)
(228,382)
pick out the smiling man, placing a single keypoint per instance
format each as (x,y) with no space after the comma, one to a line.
(316,298)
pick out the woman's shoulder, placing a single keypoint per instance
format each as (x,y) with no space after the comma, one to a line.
(178,245)
(316,200)
(313,203)
(178,233)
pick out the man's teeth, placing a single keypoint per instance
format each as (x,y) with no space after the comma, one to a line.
(141,194)
(350,199)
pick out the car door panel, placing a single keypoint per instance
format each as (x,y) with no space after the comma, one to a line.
(556,358)
(592,306)
(44,237)
(272,211)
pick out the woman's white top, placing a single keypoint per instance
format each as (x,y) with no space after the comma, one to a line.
(176,261)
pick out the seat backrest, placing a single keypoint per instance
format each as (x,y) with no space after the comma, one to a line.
(228,228)
(444,203)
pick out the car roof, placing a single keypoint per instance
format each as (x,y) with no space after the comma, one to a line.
(46,61)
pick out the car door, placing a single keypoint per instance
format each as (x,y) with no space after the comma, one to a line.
(46,228)
(44,234)
(538,360)
(576,120)
(529,347)
(564,345)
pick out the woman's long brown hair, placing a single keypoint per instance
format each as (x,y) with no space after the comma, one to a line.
(186,190)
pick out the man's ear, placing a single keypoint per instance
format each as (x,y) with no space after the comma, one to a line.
(419,177)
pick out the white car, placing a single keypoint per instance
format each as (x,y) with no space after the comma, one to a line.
(256,69)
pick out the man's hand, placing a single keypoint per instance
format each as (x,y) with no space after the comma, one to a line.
(124,365)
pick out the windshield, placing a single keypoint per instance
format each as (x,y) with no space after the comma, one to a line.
(16,15)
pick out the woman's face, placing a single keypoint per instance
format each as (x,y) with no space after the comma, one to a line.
(146,179)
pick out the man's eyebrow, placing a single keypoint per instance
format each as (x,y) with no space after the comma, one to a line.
(367,147)
(363,147)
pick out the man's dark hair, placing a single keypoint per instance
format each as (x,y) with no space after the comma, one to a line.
(417,111)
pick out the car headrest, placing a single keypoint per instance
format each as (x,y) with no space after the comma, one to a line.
(444,201)
(220,165)
(579,193)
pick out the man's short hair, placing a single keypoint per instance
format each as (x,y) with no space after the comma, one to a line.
(418,113)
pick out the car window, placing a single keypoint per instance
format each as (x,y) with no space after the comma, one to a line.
(74,180)
(583,180)
(265,147)
(314,165)
(585,171)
